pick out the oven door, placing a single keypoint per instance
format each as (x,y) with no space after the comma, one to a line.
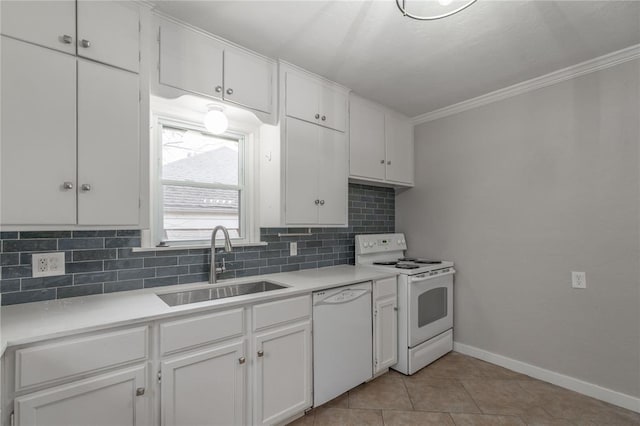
(430,306)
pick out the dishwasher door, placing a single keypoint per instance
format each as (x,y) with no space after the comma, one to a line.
(342,340)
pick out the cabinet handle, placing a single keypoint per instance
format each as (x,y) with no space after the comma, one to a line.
(229,91)
(389,162)
(324,118)
(260,354)
(241,360)
(66,39)
(85,43)
(381,161)
(140,391)
(317,202)
(218,89)
(67,185)
(317,116)
(322,202)
(86,187)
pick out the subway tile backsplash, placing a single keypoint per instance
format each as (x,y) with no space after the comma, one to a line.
(104,262)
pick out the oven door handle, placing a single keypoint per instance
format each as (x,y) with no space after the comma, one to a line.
(422,277)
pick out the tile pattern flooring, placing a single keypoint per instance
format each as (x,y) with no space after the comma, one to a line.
(458,390)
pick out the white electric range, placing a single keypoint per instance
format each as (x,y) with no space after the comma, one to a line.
(425,299)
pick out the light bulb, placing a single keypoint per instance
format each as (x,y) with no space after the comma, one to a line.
(215,121)
(445,2)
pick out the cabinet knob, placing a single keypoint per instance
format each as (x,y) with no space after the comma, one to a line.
(317,202)
(389,162)
(85,43)
(324,118)
(260,354)
(86,187)
(67,185)
(395,308)
(229,91)
(218,89)
(66,39)
(242,360)
(140,391)
(317,116)
(322,202)
(381,161)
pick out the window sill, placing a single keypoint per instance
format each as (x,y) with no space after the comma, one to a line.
(196,246)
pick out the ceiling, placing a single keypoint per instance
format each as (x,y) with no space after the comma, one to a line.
(413,66)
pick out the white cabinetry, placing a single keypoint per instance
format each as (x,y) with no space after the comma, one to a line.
(380,144)
(107,31)
(43,92)
(316,169)
(385,324)
(195,62)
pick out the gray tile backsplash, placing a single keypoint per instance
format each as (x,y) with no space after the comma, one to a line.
(104,262)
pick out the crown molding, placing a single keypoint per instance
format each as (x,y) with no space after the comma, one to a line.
(592,65)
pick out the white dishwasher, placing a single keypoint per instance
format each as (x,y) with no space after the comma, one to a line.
(342,340)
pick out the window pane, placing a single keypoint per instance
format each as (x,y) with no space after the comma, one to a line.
(189,155)
(191,213)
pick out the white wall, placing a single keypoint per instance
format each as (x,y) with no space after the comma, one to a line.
(521,192)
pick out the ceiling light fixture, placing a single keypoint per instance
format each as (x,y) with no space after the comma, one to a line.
(401,5)
(215,121)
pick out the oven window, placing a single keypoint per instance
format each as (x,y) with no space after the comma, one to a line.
(432,306)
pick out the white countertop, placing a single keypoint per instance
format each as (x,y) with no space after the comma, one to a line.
(33,322)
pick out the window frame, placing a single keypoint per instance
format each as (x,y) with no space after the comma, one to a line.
(246,183)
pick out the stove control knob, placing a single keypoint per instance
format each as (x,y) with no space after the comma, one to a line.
(399,242)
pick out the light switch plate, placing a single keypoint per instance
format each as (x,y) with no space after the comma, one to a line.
(47,264)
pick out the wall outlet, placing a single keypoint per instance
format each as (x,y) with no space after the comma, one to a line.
(578,279)
(47,264)
(293,248)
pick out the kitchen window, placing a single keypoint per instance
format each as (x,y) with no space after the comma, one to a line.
(200,184)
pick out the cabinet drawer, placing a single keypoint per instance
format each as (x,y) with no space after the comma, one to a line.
(385,287)
(51,362)
(281,311)
(196,331)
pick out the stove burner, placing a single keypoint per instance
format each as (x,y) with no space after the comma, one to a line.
(389,263)
(428,262)
(406,266)
(407,259)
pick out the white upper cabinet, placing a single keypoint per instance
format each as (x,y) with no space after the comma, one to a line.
(195,62)
(108,145)
(380,144)
(47,23)
(310,99)
(109,32)
(38,135)
(333,184)
(190,60)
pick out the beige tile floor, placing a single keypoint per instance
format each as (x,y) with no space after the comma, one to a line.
(464,391)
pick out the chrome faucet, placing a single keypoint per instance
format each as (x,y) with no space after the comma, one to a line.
(213,270)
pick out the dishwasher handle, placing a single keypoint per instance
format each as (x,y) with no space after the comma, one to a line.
(345,296)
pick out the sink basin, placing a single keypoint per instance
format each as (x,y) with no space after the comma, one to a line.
(218,292)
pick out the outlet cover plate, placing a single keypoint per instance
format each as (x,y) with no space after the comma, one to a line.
(47,264)
(578,279)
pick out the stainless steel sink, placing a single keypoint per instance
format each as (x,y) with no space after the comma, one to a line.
(217,292)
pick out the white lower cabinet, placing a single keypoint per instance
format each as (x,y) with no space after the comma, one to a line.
(385,324)
(282,373)
(115,398)
(207,387)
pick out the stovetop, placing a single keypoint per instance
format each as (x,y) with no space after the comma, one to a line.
(411,264)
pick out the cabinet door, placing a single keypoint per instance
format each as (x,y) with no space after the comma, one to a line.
(248,80)
(366,140)
(302,97)
(399,146)
(106,400)
(283,373)
(38,130)
(301,182)
(333,108)
(190,61)
(109,32)
(108,145)
(41,22)
(204,388)
(385,339)
(332,177)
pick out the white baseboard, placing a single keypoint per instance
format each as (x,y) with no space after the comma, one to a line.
(607,395)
